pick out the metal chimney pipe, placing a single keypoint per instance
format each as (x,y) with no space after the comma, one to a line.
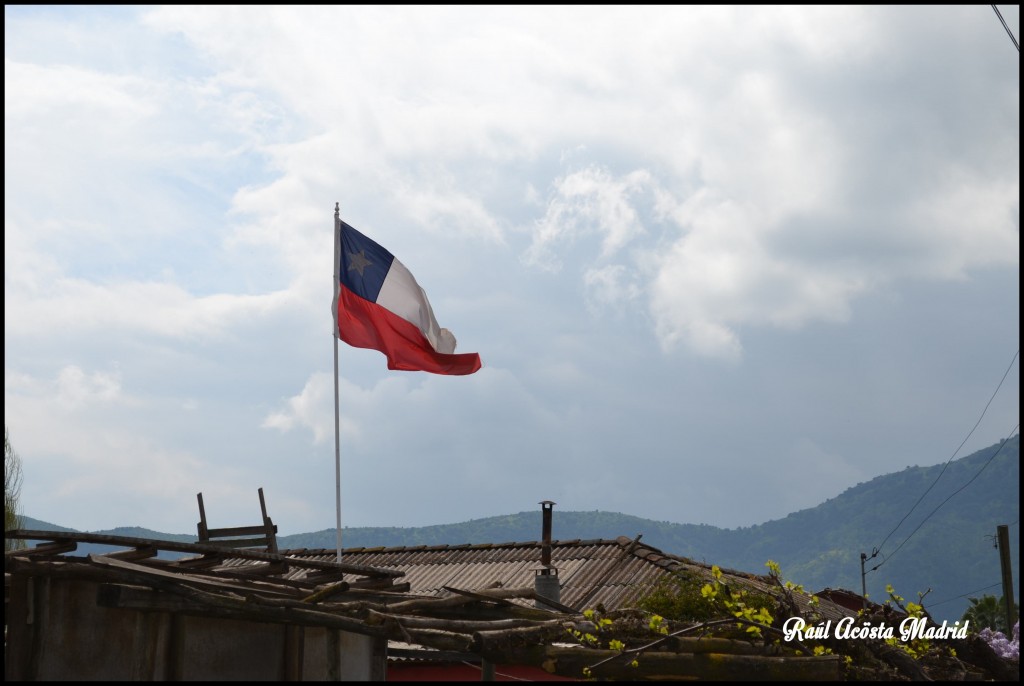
(545,582)
(545,549)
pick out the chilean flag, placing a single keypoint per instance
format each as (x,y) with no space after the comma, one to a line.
(379,305)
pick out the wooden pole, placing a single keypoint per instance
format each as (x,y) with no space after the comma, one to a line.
(1003,536)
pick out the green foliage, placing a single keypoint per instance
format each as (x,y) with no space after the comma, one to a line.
(687,596)
(699,601)
(602,632)
(678,597)
(988,611)
(740,603)
(917,647)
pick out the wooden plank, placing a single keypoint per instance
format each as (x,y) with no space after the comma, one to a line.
(299,585)
(242,542)
(142,573)
(262,580)
(54,548)
(204,562)
(463,598)
(261,570)
(497,596)
(201,526)
(263,505)
(491,641)
(375,618)
(140,553)
(374,584)
(238,531)
(200,549)
(270,526)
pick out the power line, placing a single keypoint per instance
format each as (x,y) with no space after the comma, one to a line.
(1008,32)
(996,452)
(969,593)
(876,551)
(878,548)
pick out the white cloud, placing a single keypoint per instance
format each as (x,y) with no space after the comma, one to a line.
(971,223)
(599,201)
(589,201)
(313,409)
(75,387)
(612,286)
(74,306)
(722,275)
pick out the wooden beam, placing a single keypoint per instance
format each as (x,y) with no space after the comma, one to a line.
(141,553)
(201,549)
(260,542)
(374,617)
(55,547)
(201,526)
(239,531)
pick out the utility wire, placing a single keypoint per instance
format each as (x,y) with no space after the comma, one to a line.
(969,593)
(996,452)
(878,548)
(876,551)
(1008,32)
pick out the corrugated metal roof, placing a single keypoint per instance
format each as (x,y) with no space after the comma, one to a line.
(613,573)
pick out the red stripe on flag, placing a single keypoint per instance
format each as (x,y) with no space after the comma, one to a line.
(364,324)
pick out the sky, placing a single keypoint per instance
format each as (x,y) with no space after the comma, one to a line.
(720,263)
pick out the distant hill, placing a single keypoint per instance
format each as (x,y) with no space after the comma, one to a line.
(84,549)
(39,525)
(945,544)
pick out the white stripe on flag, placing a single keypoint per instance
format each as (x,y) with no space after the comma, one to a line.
(401,295)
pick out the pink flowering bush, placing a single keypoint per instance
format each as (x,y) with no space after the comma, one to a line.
(1003,646)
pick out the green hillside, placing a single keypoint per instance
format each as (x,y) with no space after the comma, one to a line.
(945,544)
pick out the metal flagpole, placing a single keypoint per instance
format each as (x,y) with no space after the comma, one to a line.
(337,420)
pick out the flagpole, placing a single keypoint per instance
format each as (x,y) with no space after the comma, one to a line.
(337,419)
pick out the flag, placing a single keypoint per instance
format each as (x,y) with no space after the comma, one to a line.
(380,306)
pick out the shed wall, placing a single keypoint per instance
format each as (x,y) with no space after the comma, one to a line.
(58,632)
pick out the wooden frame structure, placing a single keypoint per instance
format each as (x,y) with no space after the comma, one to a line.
(215,561)
(266,533)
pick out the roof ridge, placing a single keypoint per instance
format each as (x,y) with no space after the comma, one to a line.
(447,546)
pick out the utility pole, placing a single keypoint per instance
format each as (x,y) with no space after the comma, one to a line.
(863,582)
(1003,537)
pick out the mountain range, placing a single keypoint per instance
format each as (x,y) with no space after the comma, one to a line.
(924,530)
